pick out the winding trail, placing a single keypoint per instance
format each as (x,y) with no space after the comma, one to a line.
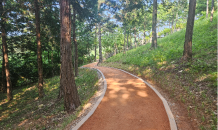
(128,104)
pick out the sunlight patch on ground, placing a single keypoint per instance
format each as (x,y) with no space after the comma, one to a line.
(142,94)
(87,105)
(162,63)
(23,122)
(202,78)
(125,96)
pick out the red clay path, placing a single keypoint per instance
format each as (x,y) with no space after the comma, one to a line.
(128,104)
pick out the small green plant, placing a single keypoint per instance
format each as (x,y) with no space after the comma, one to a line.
(183,99)
(213,127)
(202,104)
(203,94)
(215,84)
(202,118)
(202,127)
(186,88)
(214,118)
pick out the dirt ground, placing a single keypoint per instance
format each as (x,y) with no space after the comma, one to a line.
(128,104)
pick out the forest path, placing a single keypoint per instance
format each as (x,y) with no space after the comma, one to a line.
(128,104)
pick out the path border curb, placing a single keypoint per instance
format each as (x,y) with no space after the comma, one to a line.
(172,121)
(96,104)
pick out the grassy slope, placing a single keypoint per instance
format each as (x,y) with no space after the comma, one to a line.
(193,83)
(27,111)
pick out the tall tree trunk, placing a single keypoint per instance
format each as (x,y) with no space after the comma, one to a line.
(4,86)
(130,41)
(52,61)
(89,52)
(154,23)
(135,37)
(176,20)
(39,51)
(48,56)
(187,53)
(127,41)
(144,30)
(95,40)
(207,9)
(71,97)
(212,10)
(140,43)
(172,23)
(75,43)
(124,39)
(99,40)
(115,50)
(144,35)
(5,53)
(61,88)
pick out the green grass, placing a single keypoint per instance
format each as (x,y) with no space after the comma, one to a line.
(190,82)
(27,111)
(170,48)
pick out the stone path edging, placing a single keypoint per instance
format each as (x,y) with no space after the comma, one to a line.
(96,104)
(172,121)
(173,125)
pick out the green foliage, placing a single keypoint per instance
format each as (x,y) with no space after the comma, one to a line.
(194,83)
(165,32)
(26,105)
(21,39)
(86,83)
(171,49)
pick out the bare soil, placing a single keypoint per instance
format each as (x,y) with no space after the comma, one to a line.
(128,104)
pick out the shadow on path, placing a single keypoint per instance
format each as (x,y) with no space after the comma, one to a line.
(128,104)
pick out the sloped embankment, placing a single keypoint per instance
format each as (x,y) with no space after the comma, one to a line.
(194,84)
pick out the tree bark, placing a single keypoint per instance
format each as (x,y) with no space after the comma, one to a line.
(130,41)
(95,39)
(52,59)
(124,39)
(39,51)
(5,53)
(71,97)
(207,9)
(187,53)
(144,31)
(89,52)
(127,41)
(4,86)
(144,35)
(115,50)
(212,10)
(176,20)
(61,88)
(154,23)
(75,43)
(99,40)
(135,37)
(172,23)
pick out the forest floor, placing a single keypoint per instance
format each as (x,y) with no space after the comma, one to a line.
(127,104)
(26,111)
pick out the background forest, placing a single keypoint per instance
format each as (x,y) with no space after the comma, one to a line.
(100,29)
(134,19)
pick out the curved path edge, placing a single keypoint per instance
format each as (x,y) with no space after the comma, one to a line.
(96,104)
(172,121)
